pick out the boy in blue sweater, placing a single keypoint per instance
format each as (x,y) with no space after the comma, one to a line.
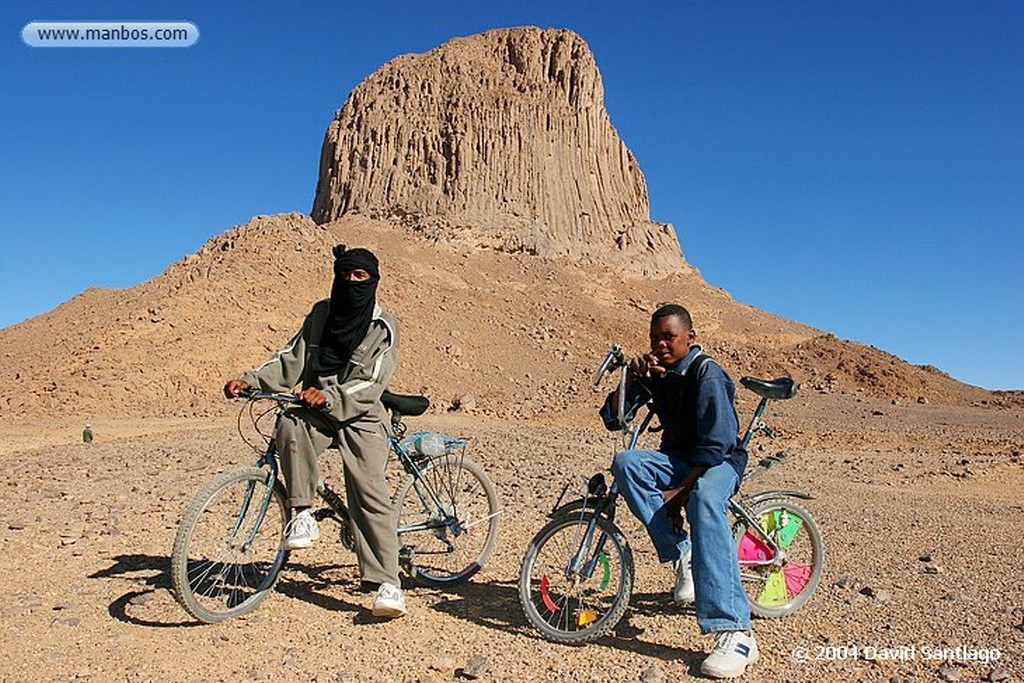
(700,457)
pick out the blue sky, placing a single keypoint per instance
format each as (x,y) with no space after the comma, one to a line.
(857,166)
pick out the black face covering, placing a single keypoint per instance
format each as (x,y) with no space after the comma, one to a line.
(351,310)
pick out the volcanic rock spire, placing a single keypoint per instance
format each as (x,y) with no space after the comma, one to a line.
(500,139)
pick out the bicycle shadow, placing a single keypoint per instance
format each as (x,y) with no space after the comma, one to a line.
(129,607)
(299,581)
(315,584)
(126,565)
(491,604)
(495,604)
(652,604)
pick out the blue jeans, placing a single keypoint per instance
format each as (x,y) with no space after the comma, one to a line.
(641,476)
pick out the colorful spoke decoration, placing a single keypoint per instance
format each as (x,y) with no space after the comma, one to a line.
(545,594)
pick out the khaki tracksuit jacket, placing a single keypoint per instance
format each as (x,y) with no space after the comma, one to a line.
(353,419)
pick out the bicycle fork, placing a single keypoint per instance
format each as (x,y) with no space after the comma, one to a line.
(270,461)
(580,565)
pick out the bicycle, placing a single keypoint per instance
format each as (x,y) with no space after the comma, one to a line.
(229,550)
(576,578)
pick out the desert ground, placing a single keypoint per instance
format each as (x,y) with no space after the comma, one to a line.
(920,504)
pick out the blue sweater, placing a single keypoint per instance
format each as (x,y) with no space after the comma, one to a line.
(704,438)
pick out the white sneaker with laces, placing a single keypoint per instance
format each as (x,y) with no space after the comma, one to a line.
(390,602)
(301,531)
(733,652)
(682,593)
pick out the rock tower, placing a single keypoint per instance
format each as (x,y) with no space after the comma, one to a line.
(500,139)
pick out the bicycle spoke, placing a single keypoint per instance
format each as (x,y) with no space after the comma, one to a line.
(229,550)
(781,559)
(448,520)
(482,520)
(574,589)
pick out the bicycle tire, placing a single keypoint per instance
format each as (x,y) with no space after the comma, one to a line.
(780,589)
(447,546)
(575,609)
(215,573)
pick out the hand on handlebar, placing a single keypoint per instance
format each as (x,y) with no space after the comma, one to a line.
(313,397)
(235,388)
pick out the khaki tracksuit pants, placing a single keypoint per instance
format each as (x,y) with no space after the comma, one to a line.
(302,434)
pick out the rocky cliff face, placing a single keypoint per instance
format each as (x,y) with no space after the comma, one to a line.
(501,140)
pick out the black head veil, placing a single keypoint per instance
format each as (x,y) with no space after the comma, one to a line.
(351,310)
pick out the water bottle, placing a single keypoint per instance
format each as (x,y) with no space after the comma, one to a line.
(429,444)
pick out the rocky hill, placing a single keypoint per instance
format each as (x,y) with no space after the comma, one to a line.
(510,335)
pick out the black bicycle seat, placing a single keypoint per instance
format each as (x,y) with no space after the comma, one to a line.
(404,403)
(781,388)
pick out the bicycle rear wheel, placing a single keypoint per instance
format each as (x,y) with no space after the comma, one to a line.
(229,550)
(777,586)
(581,605)
(447,521)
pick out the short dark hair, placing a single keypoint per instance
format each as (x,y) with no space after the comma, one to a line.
(666,310)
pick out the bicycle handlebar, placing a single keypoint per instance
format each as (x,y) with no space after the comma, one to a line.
(254,394)
(616,358)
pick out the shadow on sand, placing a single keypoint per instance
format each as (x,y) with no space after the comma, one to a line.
(490,604)
(129,567)
(495,605)
(299,581)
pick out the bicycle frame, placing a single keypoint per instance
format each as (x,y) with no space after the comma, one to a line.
(269,461)
(431,500)
(605,504)
(755,426)
(428,497)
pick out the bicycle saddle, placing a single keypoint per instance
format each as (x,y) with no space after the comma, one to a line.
(405,404)
(781,388)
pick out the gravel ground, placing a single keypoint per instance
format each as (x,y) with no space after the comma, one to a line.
(921,508)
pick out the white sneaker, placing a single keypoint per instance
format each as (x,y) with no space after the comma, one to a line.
(301,531)
(390,602)
(733,652)
(682,593)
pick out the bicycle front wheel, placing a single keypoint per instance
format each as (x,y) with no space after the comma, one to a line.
(229,550)
(447,521)
(575,588)
(778,584)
